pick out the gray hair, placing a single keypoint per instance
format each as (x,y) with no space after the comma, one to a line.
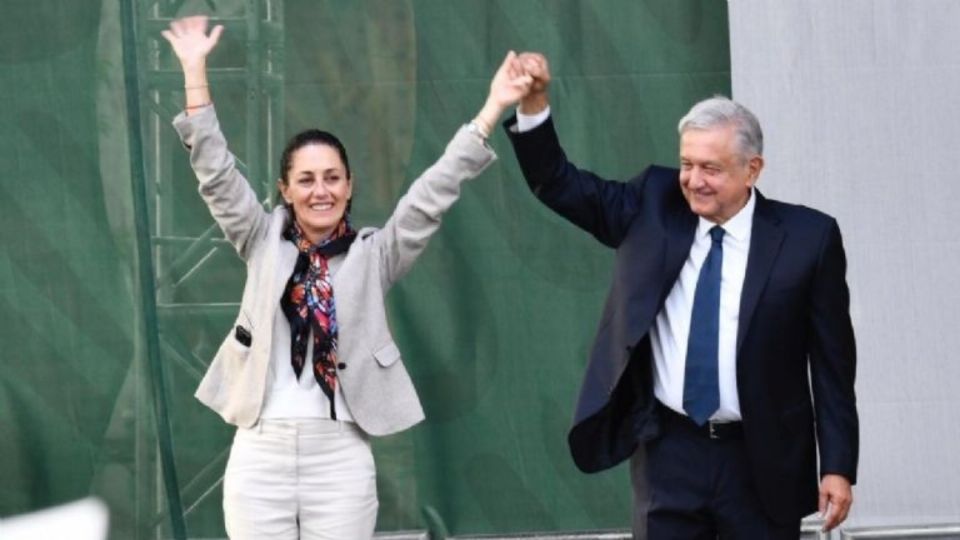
(721,111)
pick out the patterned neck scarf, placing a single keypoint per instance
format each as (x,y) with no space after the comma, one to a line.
(308,304)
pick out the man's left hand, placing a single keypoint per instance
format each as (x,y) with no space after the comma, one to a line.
(836,496)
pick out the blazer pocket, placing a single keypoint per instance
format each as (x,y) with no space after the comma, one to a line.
(387,355)
(231,359)
(234,350)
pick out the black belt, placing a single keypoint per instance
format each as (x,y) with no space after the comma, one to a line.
(720,431)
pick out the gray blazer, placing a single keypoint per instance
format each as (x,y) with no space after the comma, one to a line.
(374,381)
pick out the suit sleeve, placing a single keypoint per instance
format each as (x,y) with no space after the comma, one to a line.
(603,208)
(418,213)
(833,361)
(231,200)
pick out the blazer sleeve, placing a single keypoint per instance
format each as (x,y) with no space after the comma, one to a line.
(418,214)
(833,361)
(231,200)
(603,208)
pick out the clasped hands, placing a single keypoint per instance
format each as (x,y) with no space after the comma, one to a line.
(521,79)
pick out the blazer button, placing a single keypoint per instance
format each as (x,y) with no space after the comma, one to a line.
(341,365)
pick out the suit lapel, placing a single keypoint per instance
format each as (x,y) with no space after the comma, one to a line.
(765,240)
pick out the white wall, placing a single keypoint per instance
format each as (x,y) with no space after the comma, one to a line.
(860,104)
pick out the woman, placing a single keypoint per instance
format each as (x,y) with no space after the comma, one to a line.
(310,369)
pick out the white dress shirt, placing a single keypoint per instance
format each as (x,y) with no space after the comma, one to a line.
(290,397)
(526,122)
(670,332)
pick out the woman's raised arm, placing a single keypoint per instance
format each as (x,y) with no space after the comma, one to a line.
(191,43)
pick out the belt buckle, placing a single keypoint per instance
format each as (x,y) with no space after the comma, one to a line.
(713,430)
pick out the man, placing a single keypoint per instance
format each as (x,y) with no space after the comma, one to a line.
(726,312)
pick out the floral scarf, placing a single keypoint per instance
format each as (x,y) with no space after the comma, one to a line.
(308,304)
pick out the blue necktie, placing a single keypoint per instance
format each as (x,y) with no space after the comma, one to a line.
(701,387)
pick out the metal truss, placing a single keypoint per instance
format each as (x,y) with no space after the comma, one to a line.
(175,256)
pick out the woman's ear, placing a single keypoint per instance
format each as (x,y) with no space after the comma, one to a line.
(349,194)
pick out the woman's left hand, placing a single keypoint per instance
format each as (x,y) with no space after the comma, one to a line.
(510,84)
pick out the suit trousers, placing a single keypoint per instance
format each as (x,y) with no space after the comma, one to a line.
(696,487)
(309,479)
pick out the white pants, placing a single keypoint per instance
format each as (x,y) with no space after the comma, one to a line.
(309,479)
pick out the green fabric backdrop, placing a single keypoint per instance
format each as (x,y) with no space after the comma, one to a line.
(494,321)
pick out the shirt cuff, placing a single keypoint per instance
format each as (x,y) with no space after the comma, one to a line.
(526,122)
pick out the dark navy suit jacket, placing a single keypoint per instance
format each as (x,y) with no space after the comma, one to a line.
(796,357)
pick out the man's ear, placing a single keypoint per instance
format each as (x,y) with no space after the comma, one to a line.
(754,166)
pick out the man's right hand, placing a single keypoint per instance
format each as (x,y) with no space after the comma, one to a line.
(535,65)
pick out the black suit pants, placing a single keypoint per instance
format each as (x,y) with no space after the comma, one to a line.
(698,488)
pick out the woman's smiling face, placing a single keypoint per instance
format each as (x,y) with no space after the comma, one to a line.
(318,188)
